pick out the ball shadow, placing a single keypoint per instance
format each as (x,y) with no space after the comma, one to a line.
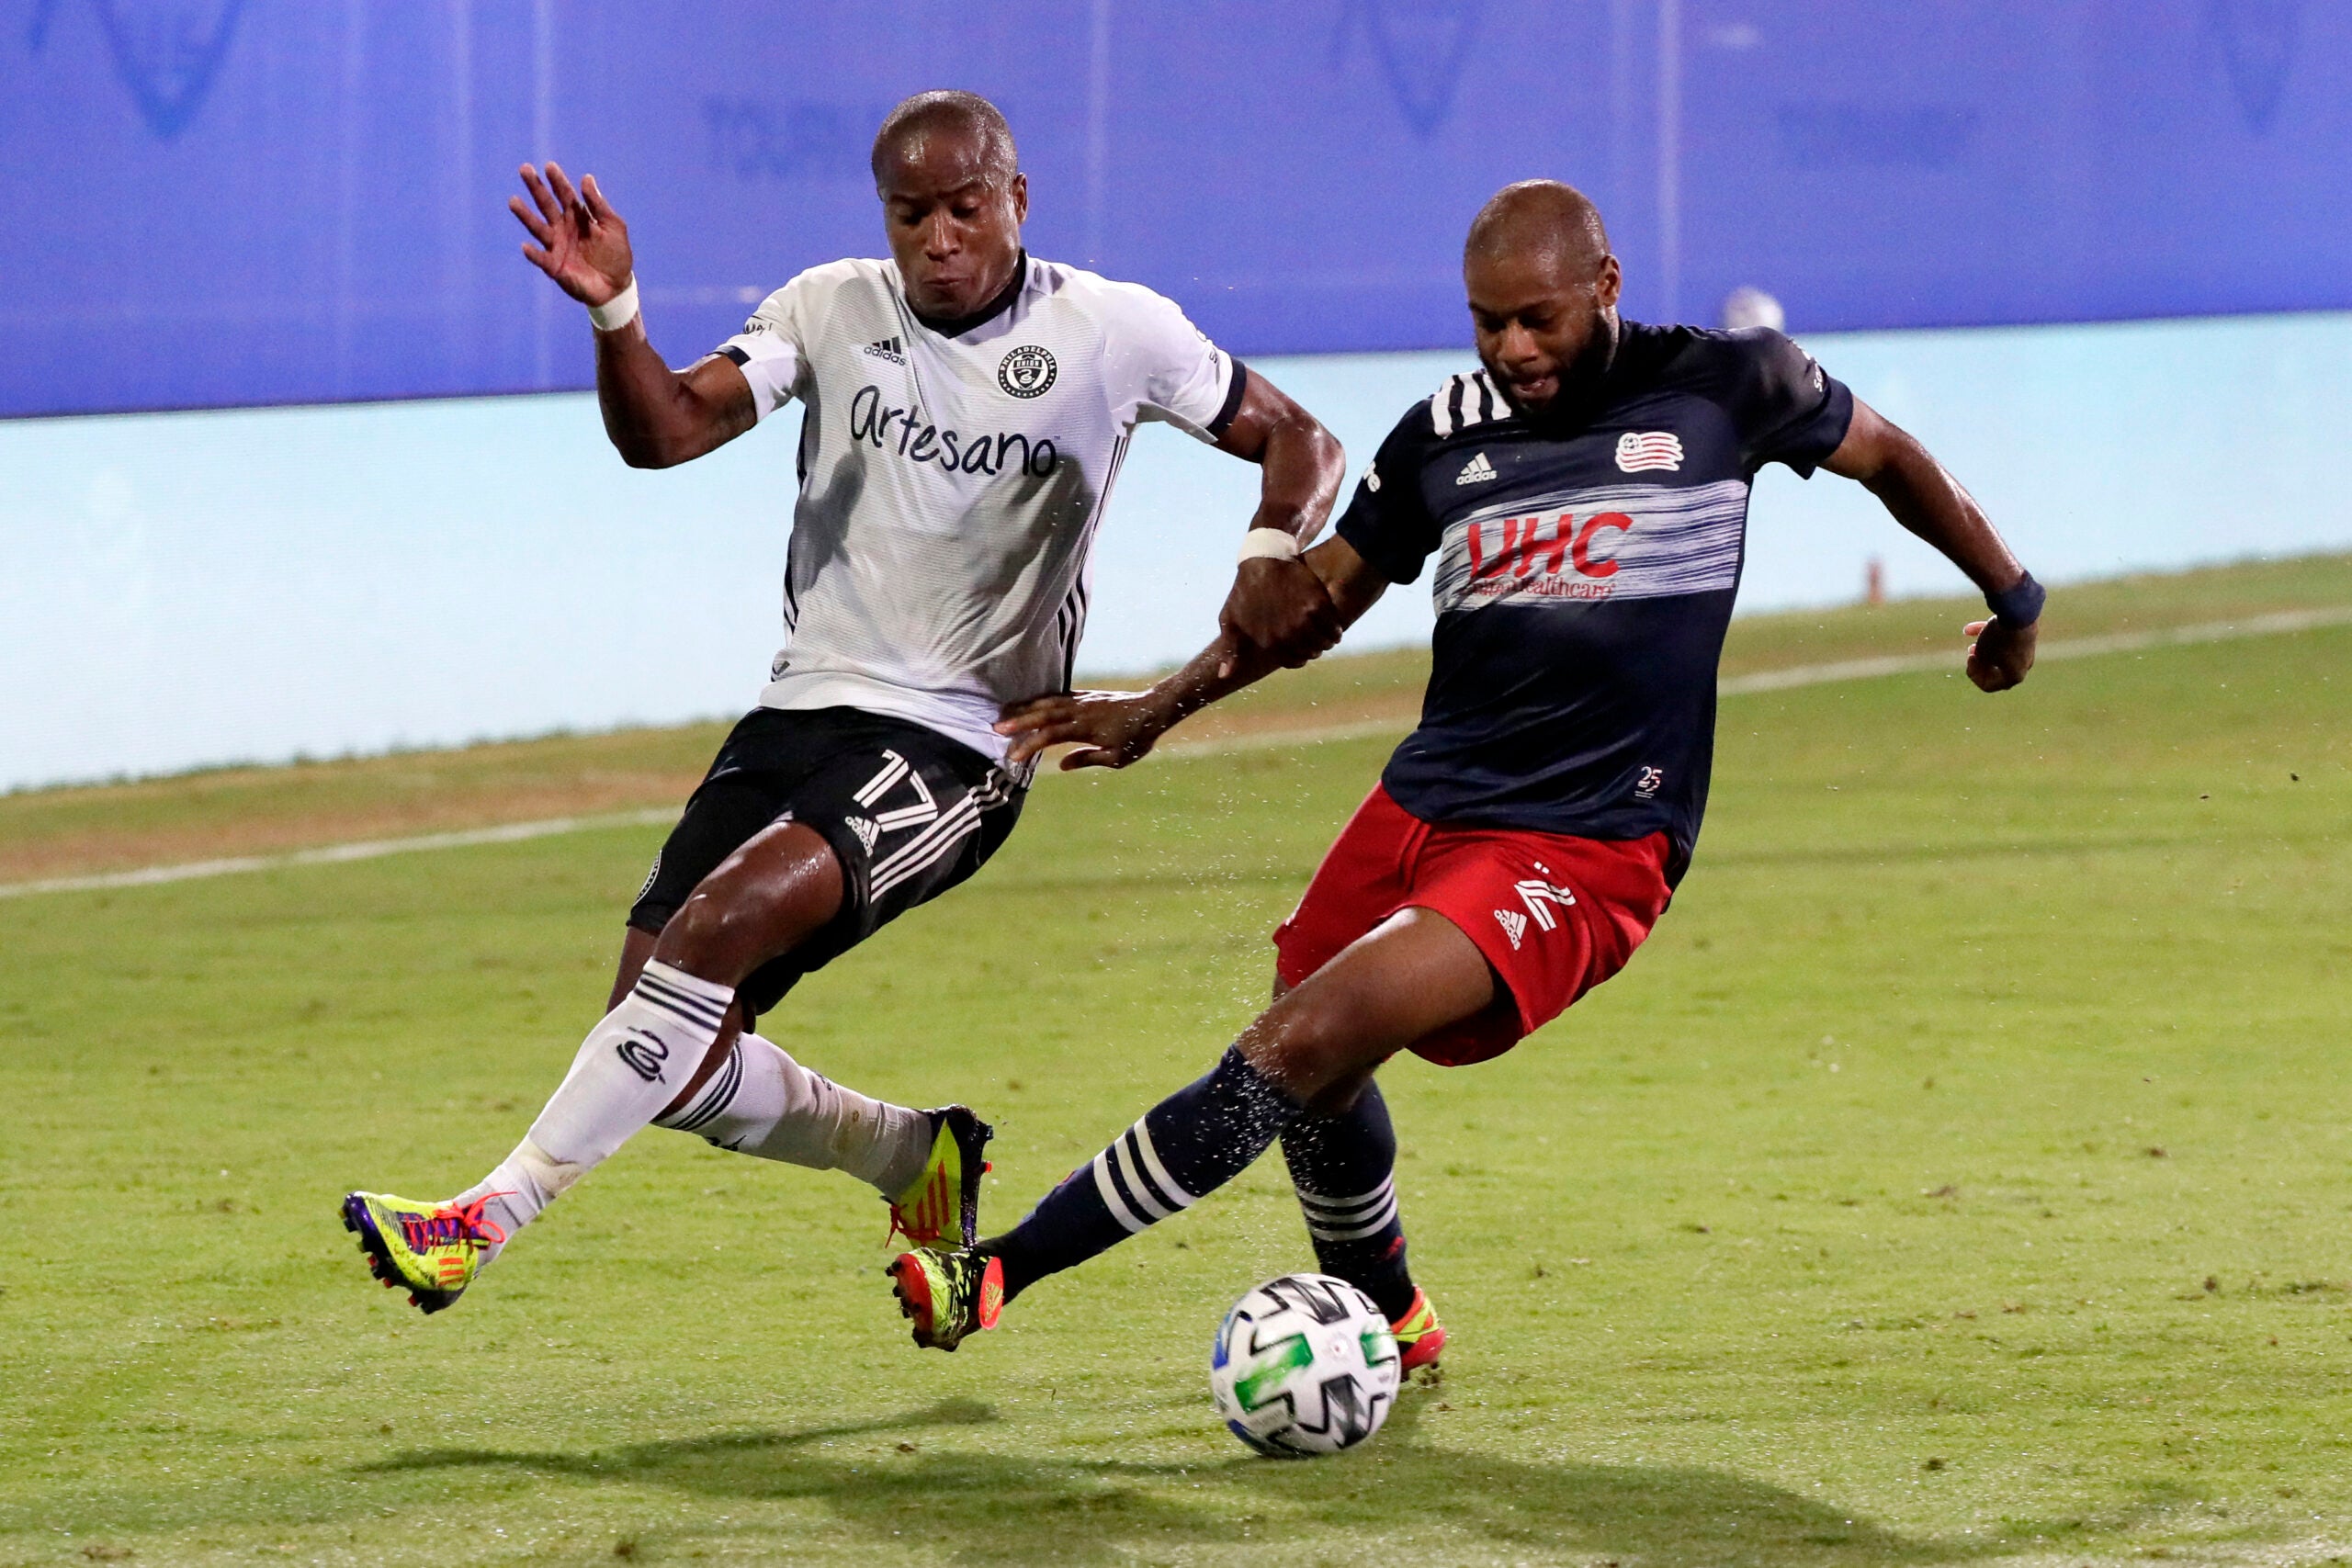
(976,1507)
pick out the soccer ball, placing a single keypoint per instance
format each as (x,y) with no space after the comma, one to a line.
(1304,1365)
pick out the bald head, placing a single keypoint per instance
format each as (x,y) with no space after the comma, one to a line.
(1542,290)
(1539,218)
(953,200)
(923,126)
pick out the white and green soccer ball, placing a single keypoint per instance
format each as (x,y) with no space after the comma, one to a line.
(1304,1365)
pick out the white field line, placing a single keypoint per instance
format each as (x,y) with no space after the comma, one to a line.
(1843,670)
(2073,647)
(335,854)
(1762,680)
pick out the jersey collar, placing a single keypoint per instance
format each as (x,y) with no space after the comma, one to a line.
(957,326)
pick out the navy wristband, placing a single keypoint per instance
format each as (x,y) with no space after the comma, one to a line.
(2020,605)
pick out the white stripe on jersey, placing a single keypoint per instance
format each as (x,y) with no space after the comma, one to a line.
(1465,401)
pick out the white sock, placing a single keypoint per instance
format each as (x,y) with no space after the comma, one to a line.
(762,1103)
(631,1066)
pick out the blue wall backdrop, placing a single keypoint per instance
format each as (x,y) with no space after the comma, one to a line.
(192,588)
(251,201)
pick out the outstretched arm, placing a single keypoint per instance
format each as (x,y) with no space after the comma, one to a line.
(1922,496)
(656,416)
(1278,611)
(1114,728)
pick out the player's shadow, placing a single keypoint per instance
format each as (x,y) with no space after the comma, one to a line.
(975,1506)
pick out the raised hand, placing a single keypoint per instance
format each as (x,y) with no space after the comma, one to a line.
(580,240)
(2001,654)
(1111,729)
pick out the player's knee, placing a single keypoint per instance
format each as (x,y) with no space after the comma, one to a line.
(729,928)
(1316,1039)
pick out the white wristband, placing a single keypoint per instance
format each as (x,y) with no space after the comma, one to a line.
(618,311)
(1271,543)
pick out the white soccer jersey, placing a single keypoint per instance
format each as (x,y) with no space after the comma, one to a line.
(950,486)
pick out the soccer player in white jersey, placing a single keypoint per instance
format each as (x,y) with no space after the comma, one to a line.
(967,409)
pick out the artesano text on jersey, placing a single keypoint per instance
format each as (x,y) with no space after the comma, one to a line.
(1586,567)
(950,486)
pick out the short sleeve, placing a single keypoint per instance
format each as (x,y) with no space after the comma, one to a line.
(771,349)
(1164,368)
(1787,408)
(1387,521)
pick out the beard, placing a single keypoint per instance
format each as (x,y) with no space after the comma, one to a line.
(1579,377)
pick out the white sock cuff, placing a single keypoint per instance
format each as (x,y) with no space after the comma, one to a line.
(691,1000)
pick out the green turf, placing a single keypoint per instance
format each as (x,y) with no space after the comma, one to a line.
(56,832)
(1963,1172)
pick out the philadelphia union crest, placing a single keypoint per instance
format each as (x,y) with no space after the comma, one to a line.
(1026,372)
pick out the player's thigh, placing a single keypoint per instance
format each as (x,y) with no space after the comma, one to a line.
(721,818)
(777,890)
(1362,879)
(1413,975)
(908,815)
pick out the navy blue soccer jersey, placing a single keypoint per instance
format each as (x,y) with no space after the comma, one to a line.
(1586,567)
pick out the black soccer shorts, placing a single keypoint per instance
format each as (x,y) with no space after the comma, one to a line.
(909,812)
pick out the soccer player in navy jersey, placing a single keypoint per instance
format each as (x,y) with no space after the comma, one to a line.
(1585,495)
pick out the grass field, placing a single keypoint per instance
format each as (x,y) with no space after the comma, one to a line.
(1961,1173)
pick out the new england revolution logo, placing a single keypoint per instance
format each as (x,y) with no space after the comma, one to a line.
(1026,371)
(1638,451)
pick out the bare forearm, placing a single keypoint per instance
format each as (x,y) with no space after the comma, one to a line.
(1215,673)
(655,416)
(1301,466)
(1921,494)
(1226,665)
(1913,487)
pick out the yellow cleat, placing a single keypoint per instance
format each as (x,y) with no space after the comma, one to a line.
(1419,1336)
(948,1295)
(948,1189)
(434,1249)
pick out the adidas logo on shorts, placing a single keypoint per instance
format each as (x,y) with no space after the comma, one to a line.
(1477,470)
(1514,926)
(889,348)
(866,832)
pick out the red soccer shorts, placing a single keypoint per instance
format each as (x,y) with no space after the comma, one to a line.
(1555,915)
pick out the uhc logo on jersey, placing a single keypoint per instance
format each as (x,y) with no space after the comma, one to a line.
(1026,371)
(1612,542)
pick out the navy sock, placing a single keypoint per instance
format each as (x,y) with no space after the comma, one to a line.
(1184,1148)
(1344,1168)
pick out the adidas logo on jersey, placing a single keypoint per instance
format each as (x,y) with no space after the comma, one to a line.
(1477,470)
(889,348)
(1514,926)
(867,831)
